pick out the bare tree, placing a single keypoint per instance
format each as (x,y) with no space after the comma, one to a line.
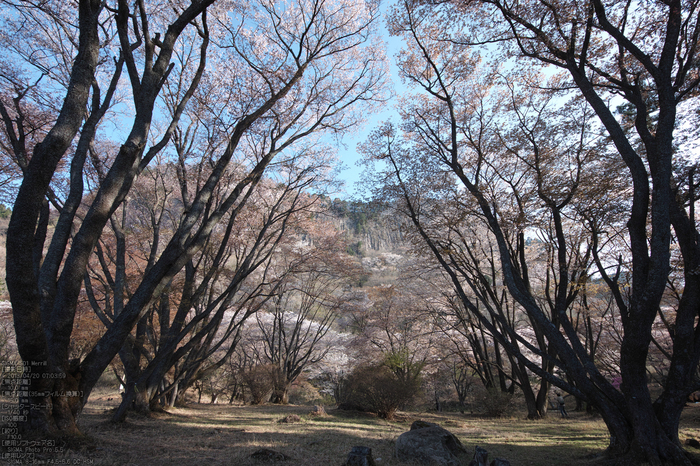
(648,56)
(395,328)
(303,308)
(194,327)
(283,95)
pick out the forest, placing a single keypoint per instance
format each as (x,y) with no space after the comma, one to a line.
(526,226)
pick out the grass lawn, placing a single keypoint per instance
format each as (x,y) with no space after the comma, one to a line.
(205,434)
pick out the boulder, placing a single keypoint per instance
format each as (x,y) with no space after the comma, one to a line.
(419,424)
(360,456)
(481,457)
(430,444)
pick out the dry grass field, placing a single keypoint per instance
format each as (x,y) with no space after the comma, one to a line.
(205,434)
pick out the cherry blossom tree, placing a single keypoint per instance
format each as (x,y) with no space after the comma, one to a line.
(290,71)
(294,331)
(643,54)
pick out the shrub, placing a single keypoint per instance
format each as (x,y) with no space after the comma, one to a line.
(303,393)
(495,402)
(260,381)
(375,389)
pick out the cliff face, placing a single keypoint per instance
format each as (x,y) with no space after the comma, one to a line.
(378,235)
(369,228)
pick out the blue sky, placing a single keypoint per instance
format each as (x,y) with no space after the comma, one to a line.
(348,154)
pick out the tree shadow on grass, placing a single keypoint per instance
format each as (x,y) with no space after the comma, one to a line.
(229,435)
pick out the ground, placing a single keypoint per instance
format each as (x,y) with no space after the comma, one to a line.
(225,434)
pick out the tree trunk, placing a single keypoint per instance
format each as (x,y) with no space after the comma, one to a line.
(648,445)
(543,398)
(531,404)
(280,396)
(127,402)
(174,395)
(636,434)
(48,371)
